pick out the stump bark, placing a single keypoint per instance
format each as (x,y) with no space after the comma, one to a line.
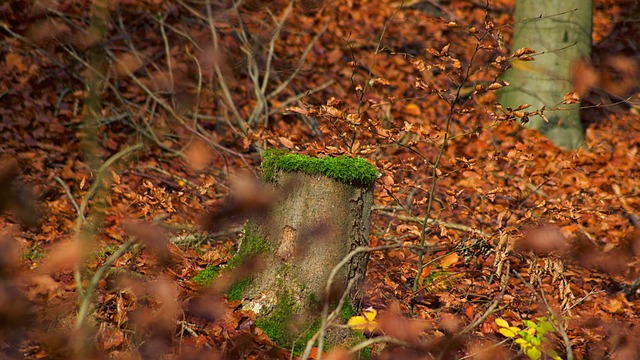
(323,213)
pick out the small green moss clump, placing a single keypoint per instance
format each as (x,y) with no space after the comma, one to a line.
(353,171)
(347,311)
(252,245)
(206,276)
(237,289)
(301,343)
(275,324)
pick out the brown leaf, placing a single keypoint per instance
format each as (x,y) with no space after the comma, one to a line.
(523,51)
(620,75)
(16,62)
(338,354)
(286,142)
(571,98)
(450,260)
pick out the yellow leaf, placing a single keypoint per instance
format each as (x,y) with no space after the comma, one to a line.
(554,355)
(507,332)
(534,353)
(364,323)
(357,323)
(370,313)
(502,322)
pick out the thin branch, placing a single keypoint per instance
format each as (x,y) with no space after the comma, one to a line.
(448,225)
(443,147)
(492,307)
(85,304)
(555,318)
(334,272)
(70,196)
(378,340)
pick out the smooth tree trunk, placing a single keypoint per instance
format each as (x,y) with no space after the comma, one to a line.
(560,33)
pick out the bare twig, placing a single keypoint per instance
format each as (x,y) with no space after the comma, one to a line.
(70,196)
(326,317)
(443,147)
(448,225)
(93,189)
(378,340)
(87,299)
(555,321)
(492,307)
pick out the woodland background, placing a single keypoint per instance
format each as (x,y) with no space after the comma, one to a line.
(131,138)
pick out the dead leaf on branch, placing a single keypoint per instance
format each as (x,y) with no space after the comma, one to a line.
(523,51)
(571,98)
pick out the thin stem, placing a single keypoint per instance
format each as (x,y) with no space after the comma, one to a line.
(434,169)
(85,305)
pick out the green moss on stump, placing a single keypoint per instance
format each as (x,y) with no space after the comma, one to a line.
(277,325)
(353,171)
(252,245)
(237,289)
(347,311)
(206,276)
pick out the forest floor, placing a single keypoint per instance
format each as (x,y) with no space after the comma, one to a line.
(124,132)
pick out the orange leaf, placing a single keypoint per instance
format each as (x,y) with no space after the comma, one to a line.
(449,260)
(16,62)
(412,109)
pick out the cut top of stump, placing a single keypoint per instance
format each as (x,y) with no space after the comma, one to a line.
(353,171)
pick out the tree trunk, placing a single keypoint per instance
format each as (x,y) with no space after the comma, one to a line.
(316,223)
(560,33)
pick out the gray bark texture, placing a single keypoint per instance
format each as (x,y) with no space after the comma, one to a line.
(560,32)
(316,222)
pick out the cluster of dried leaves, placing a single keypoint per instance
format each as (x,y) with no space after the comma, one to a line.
(516,228)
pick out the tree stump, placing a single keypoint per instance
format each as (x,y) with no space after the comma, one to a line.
(322,214)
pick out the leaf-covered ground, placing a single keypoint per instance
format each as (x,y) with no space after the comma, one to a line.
(127,126)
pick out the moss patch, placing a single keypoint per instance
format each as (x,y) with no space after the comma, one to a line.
(277,325)
(353,171)
(206,276)
(301,341)
(252,245)
(347,311)
(356,339)
(237,289)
